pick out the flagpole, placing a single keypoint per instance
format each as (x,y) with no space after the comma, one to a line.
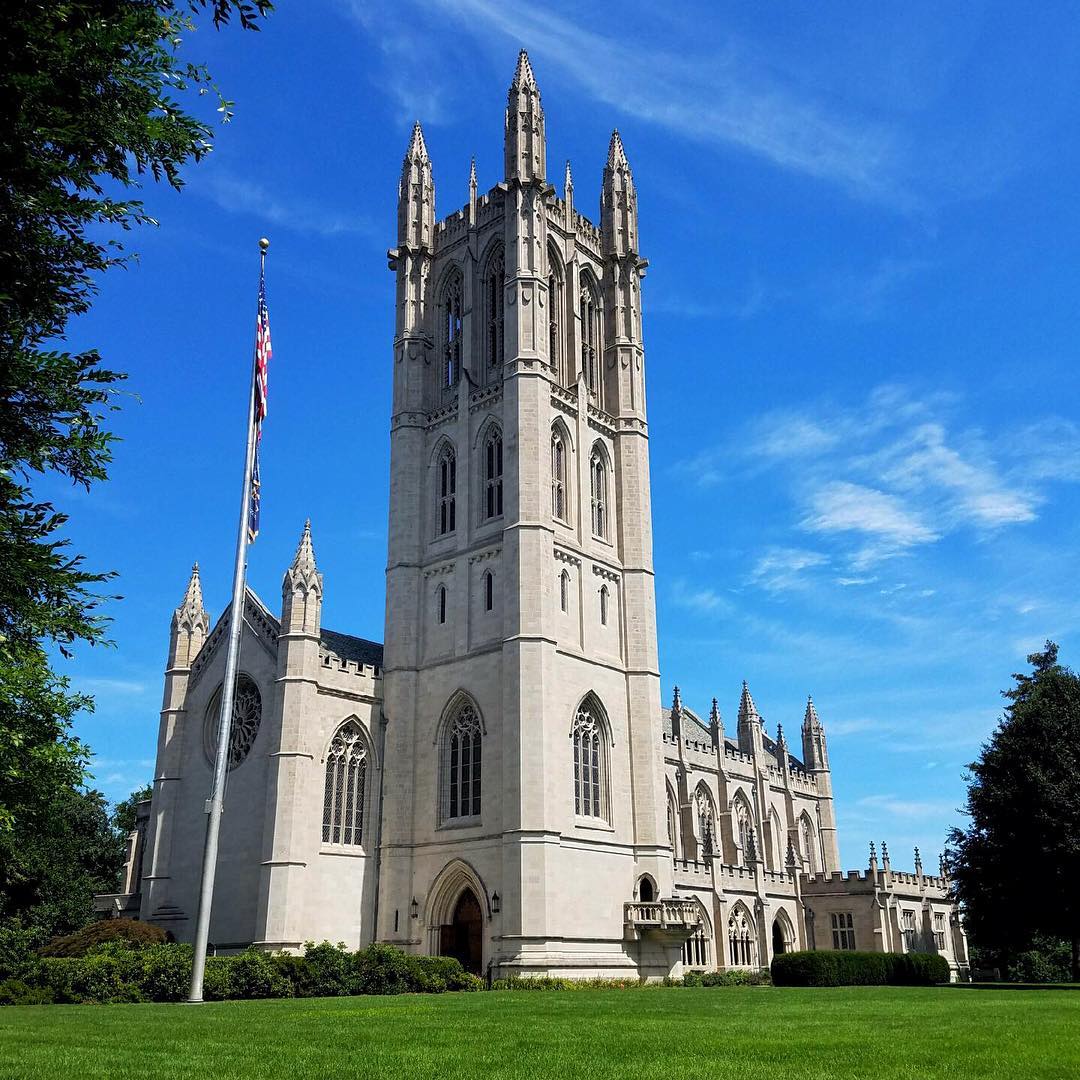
(215,803)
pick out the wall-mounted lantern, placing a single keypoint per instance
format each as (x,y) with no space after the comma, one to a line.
(414,908)
(496,903)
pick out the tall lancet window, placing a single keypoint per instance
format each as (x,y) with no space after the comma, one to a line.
(806,837)
(450,317)
(740,939)
(493,474)
(555,316)
(589,764)
(559,503)
(462,755)
(589,311)
(494,287)
(346,786)
(447,519)
(598,482)
(706,824)
(745,828)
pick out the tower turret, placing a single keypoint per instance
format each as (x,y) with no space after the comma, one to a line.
(302,591)
(624,392)
(749,726)
(618,202)
(416,195)
(716,726)
(524,141)
(416,235)
(190,625)
(816,761)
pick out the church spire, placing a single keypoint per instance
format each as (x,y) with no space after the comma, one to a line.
(302,590)
(416,195)
(525,151)
(749,728)
(190,624)
(618,202)
(472,192)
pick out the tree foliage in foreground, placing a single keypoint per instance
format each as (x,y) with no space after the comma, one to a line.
(1017,864)
(93,97)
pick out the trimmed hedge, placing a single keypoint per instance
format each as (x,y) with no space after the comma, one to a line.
(842,968)
(115,972)
(132,932)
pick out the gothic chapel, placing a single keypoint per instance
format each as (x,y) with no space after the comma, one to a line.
(500,781)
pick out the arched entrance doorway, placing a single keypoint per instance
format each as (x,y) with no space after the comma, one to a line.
(463,937)
(778,945)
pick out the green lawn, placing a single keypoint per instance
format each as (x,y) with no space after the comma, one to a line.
(873,1032)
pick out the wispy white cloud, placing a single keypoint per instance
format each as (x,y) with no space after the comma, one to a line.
(911,809)
(698,598)
(239,196)
(782,568)
(890,475)
(721,97)
(842,506)
(115,687)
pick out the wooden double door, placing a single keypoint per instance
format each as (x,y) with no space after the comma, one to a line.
(463,938)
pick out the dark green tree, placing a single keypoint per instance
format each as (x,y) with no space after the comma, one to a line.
(1017,864)
(123,815)
(62,851)
(93,99)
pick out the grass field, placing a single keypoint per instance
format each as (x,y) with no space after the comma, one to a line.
(873,1032)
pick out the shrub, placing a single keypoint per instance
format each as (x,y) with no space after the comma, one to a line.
(217,978)
(328,971)
(693,978)
(382,969)
(735,977)
(18,951)
(165,972)
(253,974)
(444,971)
(131,932)
(859,969)
(16,992)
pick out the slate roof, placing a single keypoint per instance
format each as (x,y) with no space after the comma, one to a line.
(349,647)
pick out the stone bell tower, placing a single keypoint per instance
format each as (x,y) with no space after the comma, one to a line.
(523,796)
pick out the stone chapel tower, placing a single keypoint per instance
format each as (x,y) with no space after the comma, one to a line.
(523,797)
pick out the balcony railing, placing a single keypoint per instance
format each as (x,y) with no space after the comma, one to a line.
(662,914)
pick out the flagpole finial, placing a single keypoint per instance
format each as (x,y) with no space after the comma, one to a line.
(263,245)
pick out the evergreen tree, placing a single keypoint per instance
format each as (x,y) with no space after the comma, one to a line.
(1017,864)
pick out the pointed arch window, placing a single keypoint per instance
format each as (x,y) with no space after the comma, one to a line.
(440,604)
(598,484)
(494,290)
(555,316)
(447,517)
(560,506)
(741,939)
(745,827)
(706,823)
(346,786)
(450,319)
(590,766)
(564,590)
(462,753)
(489,591)
(589,311)
(696,949)
(493,474)
(603,605)
(806,840)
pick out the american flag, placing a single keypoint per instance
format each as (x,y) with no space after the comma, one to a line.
(263,352)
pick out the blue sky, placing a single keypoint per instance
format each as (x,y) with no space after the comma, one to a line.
(861,331)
